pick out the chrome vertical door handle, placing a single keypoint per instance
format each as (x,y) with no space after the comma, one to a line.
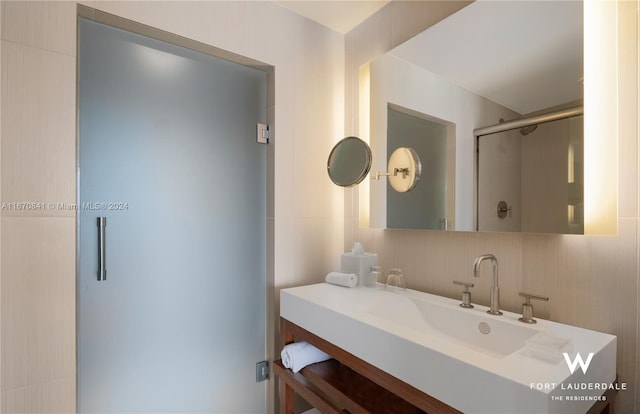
(102,249)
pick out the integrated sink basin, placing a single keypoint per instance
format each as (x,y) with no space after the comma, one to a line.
(490,335)
(466,358)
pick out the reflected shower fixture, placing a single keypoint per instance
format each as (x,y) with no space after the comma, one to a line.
(503,209)
(528,129)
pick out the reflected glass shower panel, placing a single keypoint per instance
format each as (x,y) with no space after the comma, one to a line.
(536,176)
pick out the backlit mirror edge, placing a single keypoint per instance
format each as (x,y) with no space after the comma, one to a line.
(601,117)
(364,102)
(601,45)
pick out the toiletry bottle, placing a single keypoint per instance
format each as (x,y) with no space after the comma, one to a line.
(374,276)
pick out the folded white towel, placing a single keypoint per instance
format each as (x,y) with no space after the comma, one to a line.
(547,347)
(298,355)
(342,279)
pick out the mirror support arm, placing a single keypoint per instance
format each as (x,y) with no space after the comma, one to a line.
(380,174)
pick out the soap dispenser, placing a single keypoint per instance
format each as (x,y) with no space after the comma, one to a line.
(358,262)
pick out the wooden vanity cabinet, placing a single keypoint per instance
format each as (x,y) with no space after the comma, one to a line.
(347,384)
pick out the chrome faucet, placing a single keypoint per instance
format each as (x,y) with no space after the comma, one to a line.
(494,295)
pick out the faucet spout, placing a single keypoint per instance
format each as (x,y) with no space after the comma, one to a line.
(494,295)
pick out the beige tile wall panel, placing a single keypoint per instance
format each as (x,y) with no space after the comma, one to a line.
(48,25)
(38,132)
(51,397)
(1,98)
(38,301)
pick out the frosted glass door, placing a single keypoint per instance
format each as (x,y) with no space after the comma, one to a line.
(168,154)
(424,207)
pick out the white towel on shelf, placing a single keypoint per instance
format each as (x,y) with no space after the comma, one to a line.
(298,355)
(342,279)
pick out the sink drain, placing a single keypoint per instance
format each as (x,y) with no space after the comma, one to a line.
(484,328)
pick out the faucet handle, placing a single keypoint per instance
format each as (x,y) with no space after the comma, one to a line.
(466,293)
(529,296)
(466,285)
(527,307)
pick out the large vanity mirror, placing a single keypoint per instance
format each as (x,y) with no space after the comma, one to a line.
(490,62)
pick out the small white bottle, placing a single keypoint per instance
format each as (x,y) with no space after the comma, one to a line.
(375,276)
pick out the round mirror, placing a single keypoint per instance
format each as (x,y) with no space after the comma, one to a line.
(404,169)
(349,162)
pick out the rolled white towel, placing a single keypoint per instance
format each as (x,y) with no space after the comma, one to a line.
(298,355)
(342,279)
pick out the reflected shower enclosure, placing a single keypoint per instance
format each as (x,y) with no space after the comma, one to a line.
(530,179)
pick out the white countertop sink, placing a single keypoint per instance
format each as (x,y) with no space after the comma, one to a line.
(466,358)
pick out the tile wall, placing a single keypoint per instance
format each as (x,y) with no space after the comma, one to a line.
(37,303)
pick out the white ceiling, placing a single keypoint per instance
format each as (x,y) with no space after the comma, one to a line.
(525,55)
(339,15)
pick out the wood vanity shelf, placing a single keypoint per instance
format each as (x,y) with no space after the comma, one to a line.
(347,384)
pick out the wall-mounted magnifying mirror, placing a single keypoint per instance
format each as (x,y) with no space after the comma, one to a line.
(403,170)
(349,162)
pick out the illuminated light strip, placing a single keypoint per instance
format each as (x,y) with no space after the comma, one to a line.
(601,116)
(364,188)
